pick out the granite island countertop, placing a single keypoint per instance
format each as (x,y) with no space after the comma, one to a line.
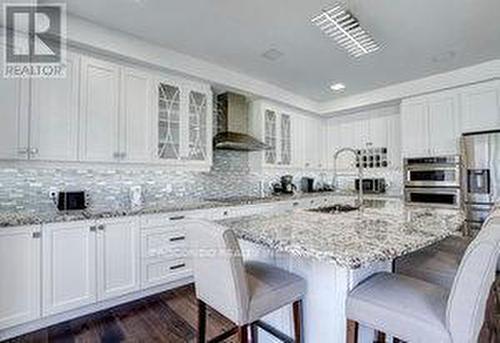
(21,218)
(383,231)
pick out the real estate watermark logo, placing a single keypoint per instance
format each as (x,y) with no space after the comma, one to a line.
(35,40)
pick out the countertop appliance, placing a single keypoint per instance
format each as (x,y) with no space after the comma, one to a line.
(481,174)
(371,186)
(284,186)
(307,184)
(71,201)
(433,181)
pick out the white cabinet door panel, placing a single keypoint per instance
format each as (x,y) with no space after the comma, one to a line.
(443,125)
(20,275)
(136,140)
(69,266)
(414,128)
(99,110)
(54,115)
(117,258)
(480,105)
(14,115)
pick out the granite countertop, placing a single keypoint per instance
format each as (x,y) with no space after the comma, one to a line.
(384,231)
(9,219)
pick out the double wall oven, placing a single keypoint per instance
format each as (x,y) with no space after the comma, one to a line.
(433,181)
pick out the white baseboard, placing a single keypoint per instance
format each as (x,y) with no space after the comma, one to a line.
(79,312)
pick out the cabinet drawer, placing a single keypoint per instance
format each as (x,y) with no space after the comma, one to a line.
(160,220)
(156,271)
(164,241)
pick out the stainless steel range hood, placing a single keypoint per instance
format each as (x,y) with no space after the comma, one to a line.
(232,123)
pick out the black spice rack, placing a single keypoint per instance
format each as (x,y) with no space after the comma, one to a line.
(372,158)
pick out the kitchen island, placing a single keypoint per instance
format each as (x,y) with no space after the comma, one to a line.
(336,251)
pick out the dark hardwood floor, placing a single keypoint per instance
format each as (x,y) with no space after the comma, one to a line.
(168,317)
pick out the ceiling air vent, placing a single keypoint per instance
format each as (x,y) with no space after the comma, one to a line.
(339,24)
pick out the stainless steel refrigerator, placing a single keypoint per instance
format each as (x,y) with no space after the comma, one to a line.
(481,174)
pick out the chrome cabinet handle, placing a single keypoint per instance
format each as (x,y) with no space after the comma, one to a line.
(116,155)
(37,234)
(179,238)
(123,155)
(92,228)
(22,151)
(34,151)
(181,265)
(101,227)
(176,218)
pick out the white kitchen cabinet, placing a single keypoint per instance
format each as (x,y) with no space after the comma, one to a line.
(99,111)
(182,123)
(480,107)
(68,266)
(136,116)
(313,139)
(275,126)
(20,275)
(414,128)
(430,125)
(117,257)
(54,115)
(14,117)
(443,124)
(164,254)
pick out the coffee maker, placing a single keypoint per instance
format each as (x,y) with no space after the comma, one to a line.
(284,186)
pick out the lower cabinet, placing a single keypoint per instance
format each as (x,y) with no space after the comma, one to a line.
(164,256)
(69,266)
(117,257)
(20,275)
(86,262)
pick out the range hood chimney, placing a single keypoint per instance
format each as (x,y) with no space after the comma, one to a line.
(233,125)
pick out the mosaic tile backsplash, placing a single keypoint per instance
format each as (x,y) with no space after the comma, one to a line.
(26,189)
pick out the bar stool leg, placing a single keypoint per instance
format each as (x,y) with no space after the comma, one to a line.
(243,333)
(202,321)
(352,331)
(380,336)
(297,320)
(254,332)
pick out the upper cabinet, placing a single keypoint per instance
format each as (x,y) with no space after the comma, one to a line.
(14,116)
(136,118)
(430,125)
(182,123)
(54,115)
(274,126)
(480,105)
(100,93)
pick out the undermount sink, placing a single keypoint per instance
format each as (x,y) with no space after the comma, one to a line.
(337,208)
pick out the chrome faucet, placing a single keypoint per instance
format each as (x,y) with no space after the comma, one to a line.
(360,172)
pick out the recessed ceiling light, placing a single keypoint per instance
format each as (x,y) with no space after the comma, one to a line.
(272,54)
(337,87)
(339,24)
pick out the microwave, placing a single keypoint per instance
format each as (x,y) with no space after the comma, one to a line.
(432,172)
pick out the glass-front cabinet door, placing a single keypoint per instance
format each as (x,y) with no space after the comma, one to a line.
(277,135)
(197,126)
(183,125)
(286,140)
(270,136)
(169,122)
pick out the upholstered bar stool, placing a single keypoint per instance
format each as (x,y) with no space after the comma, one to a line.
(242,292)
(418,311)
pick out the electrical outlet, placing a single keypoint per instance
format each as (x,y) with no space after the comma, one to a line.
(53,194)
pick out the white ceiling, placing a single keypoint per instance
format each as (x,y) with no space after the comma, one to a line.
(235,33)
